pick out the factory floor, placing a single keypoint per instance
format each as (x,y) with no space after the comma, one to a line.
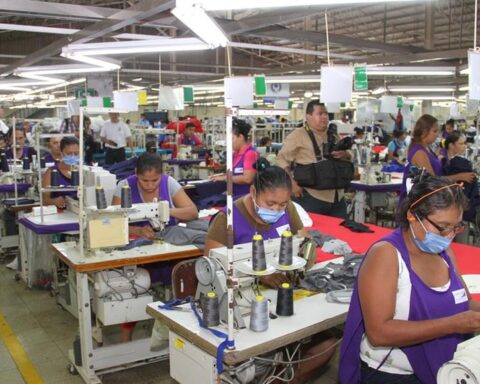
(35,335)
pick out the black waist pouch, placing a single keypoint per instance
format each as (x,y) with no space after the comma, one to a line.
(324,174)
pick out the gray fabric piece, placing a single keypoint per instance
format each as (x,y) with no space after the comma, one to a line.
(337,247)
(199,224)
(185,236)
(333,276)
(319,237)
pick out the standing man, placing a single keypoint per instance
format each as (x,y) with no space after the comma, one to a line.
(71,125)
(143,121)
(298,149)
(116,136)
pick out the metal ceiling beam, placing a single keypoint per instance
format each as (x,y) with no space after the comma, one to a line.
(123,18)
(29,7)
(320,38)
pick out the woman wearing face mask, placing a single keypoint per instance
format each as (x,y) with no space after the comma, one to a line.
(410,307)
(244,158)
(267,210)
(69,147)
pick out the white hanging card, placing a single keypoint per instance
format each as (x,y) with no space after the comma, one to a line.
(333,107)
(474,75)
(171,99)
(94,102)
(280,104)
(125,101)
(239,90)
(73,107)
(389,105)
(336,84)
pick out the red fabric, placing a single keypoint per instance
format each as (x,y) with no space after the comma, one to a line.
(183,123)
(467,256)
(378,148)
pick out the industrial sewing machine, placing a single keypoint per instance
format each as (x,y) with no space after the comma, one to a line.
(464,368)
(211,275)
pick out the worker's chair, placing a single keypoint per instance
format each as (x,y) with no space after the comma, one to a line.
(184,280)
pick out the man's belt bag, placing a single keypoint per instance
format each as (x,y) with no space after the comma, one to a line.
(324,174)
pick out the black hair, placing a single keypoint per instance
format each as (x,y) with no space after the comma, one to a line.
(312,104)
(450,122)
(149,161)
(68,140)
(151,146)
(270,176)
(398,132)
(241,127)
(18,129)
(264,141)
(452,139)
(189,125)
(443,199)
(359,131)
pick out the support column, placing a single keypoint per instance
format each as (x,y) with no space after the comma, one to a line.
(427,107)
(429,25)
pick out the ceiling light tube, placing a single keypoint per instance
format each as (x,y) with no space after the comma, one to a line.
(37,29)
(401,88)
(411,71)
(196,19)
(138,46)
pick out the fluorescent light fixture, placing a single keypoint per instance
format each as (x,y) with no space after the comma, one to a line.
(37,29)
(129,47)
(427,88)
(378,91)
(411,71)
(196,19)
(465,71)
(263,112)
(137,79)
(308,94)
(138,36)
(464,88)
(430,97)
(223,5)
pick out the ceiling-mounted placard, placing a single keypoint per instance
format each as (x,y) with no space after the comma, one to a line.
(239,90)
(336,84)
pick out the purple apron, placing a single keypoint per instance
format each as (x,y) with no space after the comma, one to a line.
(425,304)
(161,271)
(240,190)
(244,231)
(434,162)
(162,195)
(188,140)
(63,180)
(24,153)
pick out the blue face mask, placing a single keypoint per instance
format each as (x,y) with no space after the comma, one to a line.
(269,216)
(433,243)
(71,160)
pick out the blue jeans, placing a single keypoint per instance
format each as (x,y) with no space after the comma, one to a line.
(373,376)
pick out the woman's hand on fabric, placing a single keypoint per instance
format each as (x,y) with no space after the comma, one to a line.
(468,177)
(146,232)
(221,177)
(466,322)
(60,202)
(274,280)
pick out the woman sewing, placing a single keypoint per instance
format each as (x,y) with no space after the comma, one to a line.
(21,151)
(69,148)
(410,307)
(267,210)
(150,184)
(244,157)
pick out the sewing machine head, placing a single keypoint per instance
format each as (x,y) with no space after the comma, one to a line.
(185,152)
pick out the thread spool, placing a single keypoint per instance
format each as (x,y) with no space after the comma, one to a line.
(259,314)
(43,163)
(285,300)
(54,178)
(100,197)
(75,178)
(26,164)
(126,197)
(211,312)
(259,262)
(285,257)
(4,164)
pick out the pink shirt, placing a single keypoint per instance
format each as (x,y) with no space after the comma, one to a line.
(249,159)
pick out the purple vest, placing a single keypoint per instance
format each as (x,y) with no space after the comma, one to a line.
(244,231)
(188,140)
(434,162)
(49,158)
(137,198)
(24,153)
(63,180)
(425,303)
(240,190)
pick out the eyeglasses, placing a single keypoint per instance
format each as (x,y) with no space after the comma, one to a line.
(445,231)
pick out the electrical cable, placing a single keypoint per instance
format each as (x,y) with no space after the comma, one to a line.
(301,360)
